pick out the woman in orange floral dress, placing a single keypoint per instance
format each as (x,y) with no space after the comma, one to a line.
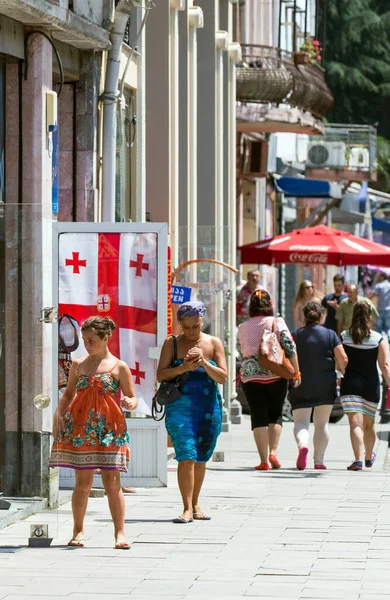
(90,428)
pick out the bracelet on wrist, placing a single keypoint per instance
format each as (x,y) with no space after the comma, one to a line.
(296,376)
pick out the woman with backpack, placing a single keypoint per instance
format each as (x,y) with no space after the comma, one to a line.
(265,391)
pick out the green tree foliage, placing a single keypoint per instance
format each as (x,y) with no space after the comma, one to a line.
(357,51)
(383,159)
(357,63)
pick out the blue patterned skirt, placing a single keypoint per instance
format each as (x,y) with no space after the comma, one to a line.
(194,420)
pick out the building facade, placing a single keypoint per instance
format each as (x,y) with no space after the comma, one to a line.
(145,130)
(282,99)
(49,170)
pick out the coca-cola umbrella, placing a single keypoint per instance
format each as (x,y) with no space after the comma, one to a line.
(316,245)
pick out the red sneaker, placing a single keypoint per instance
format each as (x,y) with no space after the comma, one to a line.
(321,467)
(275,464)
(262,467)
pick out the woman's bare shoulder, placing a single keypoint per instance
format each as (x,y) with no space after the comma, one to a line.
(121,364)
(215,341)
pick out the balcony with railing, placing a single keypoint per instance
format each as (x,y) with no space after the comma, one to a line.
(268,75)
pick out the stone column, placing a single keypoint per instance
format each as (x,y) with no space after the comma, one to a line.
(11,460)
(87,96)
(207,130)
(229,89)
(157,73)
(211,44)
(27,428)
(190,21)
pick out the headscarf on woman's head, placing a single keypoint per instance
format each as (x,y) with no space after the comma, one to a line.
(191,309)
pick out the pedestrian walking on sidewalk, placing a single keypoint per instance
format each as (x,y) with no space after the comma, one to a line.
(382,293)
(89,426)
(331,301)
(194,420)
(265,392)
(360,389)
(345,309)
(244,295)
(306,293)
(319,351)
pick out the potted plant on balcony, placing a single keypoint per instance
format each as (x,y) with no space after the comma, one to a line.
(309,52)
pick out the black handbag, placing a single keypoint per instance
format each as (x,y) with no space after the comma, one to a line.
(168,391)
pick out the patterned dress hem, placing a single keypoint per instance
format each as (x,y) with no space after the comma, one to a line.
(88,468)
(357,404)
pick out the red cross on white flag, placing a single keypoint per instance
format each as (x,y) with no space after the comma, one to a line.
(114,274)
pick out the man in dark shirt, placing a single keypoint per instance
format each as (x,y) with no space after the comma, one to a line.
(331,301)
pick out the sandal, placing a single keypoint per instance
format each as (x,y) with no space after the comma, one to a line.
(200,516)
(122,546)
(182,520)
(76,543)
(357,465)
(275,464)
(262,467)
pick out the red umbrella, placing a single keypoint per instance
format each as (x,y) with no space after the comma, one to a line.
(316,245)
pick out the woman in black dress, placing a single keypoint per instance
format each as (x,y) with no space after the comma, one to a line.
(319,349)
(360,389)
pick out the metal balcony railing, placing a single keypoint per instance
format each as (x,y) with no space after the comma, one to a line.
(270,75)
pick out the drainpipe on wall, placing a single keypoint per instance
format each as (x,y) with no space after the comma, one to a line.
(109,100)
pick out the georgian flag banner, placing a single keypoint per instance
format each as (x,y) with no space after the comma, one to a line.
(114,275)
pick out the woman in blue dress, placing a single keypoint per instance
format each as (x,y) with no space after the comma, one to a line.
(194,420)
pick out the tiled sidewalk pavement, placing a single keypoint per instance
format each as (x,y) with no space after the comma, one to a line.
(279,534)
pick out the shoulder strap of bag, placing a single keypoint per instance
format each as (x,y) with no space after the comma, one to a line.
(174,348)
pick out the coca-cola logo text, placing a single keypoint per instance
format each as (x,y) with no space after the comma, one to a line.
(309,258)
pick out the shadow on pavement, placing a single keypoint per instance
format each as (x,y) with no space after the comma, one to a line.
(384,436)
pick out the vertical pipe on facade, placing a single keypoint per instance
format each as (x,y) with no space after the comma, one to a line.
(195,21)
(109,99)
(175,5)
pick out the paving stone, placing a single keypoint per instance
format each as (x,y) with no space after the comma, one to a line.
(275,590)
(334,544)
(218,588)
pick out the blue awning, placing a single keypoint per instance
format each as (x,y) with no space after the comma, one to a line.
(296,187)
(380,224)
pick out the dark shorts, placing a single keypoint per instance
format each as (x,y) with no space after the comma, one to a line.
(265,401)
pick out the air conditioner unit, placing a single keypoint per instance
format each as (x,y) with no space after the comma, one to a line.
(321,155)
(255,158)
(359,158)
